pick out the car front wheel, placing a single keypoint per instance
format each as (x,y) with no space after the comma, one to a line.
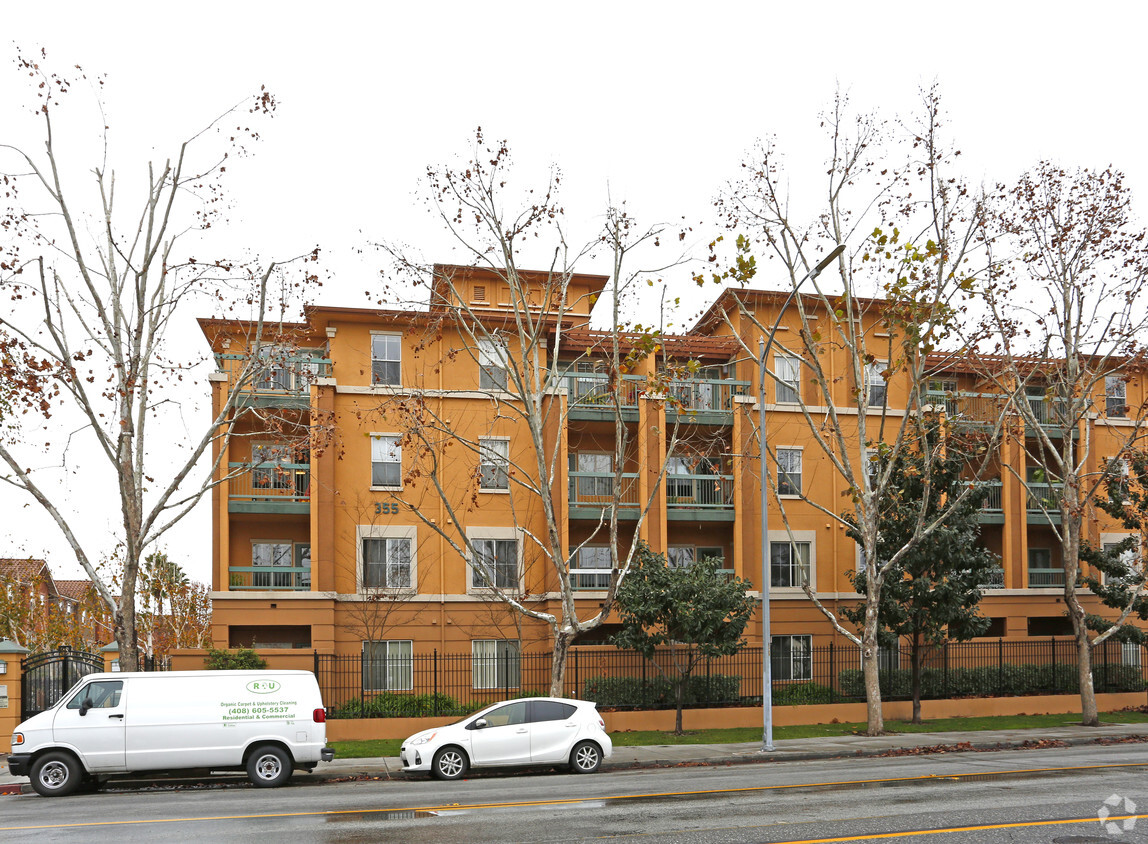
(56,774)
(449,763)
(268,766)
(585,758)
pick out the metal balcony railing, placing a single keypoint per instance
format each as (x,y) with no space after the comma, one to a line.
(595,390)
(596,489)
(270,578)
(271,482)
(589,579)
(694,491)
(704,395)
(278,374)
(992,501)
(1044,497)
(975,408)
(1045,577)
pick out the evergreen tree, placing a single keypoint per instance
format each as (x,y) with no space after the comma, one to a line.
(933,593)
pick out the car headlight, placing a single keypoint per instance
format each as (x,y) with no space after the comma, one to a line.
(420,739)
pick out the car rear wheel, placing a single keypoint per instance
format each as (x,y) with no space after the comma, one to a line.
(56,774)
(585,758)
(269,766)
(449,763)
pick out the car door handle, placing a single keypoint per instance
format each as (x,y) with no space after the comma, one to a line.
(120,716)
(523,730)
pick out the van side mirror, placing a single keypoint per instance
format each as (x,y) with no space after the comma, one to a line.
(85,705)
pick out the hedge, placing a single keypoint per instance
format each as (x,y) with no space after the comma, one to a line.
(391,705)
(659,693)
(988,680)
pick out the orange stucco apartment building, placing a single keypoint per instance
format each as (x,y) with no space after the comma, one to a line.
(303,537)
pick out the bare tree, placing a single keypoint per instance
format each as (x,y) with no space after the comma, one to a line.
(95,290)
(537,358)
(912,231)
(1068,311)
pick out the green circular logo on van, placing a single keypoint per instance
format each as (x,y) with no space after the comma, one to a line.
(263,687)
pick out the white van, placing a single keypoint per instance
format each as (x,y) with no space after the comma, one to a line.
(267,722)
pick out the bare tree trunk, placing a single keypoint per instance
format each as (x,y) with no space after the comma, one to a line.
(680,695)
(870,669)
(562,641)
(916,661)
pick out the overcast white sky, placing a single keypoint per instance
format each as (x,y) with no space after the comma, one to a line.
(651,103)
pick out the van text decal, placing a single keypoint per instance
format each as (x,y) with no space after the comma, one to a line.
(259,710)
(263,687)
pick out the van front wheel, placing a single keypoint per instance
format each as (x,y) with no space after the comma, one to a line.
(268,766)
(56,774)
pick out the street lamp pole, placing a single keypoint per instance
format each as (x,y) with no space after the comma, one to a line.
(763,347)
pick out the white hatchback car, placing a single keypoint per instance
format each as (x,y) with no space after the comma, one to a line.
(529,731)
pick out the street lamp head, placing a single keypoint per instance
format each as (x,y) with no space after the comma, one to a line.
(828,259)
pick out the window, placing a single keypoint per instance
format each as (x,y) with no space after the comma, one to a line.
(273,555)
(497,558)
(1127,557)
(276,373)
(594,567)
(788,372)
(791,657)
(386,462)
(789,471)
(595,479)
(386,359)
(492,361)
(271,467)
(496,663)
(680,556)
(101,694)
(493,464)
(1040,570)
(688,480)
(551,710)
(1115,396)
(388,666)
(874,375)
(510,715)
(387,562)
(788,564)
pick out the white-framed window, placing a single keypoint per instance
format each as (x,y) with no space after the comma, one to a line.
(789,564)
(495,559)
(788,371)
(680,556)
(1115,396)
(878,390)
(1130,653)
(872,467)
(386,359)
(496,663)
(1041,572)
(684,556)
(493,464)
(789,471)
(594,565)
(791,657)
(386,562)
(280,554)
(386,461)
(388,666)
(1109,542)
(492,364)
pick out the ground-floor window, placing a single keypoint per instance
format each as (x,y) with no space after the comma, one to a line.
(387,666)
(791,657)
(496,663)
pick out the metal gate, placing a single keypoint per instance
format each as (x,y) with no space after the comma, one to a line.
(48,676)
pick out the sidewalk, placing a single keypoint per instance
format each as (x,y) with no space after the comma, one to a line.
(723,754)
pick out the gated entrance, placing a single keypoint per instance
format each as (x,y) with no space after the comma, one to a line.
(48,676)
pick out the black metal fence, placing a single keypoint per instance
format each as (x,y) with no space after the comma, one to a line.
(454,684)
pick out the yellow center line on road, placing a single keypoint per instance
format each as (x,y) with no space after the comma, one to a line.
(880,836)
(458,807)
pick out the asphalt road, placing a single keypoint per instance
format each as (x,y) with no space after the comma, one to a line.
(1042,796)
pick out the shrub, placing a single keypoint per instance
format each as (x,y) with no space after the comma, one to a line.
(394,705)
(242,659)
(658,693)
(791,694)
(994,680)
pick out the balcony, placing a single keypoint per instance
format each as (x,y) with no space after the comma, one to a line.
(1041,578)
(705,401)
(593,492)
(269,488)
(281,381)
(1042,501)
(699,497)
(591,395)
(994,580)
(589,580)
(970,408)
(269,578)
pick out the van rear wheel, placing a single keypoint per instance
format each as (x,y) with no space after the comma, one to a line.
(269,766)
(56,774)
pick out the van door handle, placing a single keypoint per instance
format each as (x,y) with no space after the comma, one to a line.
(120,716)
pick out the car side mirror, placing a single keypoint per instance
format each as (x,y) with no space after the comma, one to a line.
(85,705)
(480,723)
